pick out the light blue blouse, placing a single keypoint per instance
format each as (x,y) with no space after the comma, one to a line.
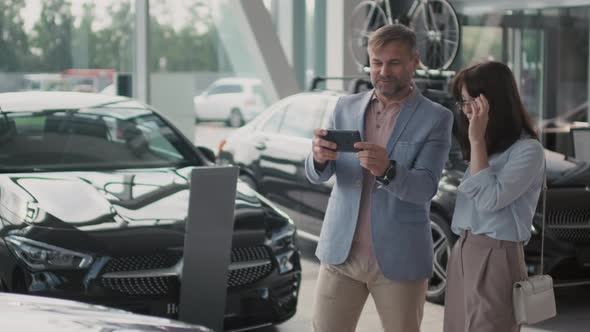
(500,201)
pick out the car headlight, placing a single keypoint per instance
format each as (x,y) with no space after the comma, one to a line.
(42,256)
(283,246)
(285,261)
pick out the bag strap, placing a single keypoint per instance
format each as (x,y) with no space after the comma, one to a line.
(543,217)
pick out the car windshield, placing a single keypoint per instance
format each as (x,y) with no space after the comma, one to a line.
(88,139)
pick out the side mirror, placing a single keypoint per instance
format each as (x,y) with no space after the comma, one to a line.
(208,153)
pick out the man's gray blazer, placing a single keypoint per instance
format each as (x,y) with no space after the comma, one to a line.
(419,143)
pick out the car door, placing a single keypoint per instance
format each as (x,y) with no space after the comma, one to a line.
(282,159)
(314,197)
(260,99)
(265,138)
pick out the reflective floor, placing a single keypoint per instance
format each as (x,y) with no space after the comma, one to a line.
(573,307)
(573,304)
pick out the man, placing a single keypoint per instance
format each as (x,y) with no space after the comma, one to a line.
(376,235)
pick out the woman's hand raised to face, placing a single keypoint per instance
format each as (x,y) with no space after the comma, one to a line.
(479,120)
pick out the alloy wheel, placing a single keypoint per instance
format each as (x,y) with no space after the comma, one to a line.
(235,119)
(442,251)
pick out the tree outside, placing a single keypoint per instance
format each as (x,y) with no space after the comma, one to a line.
(60,40)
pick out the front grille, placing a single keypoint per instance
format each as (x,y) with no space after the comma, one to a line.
(573,235)
(248,275)
(141,286)
(164,285)
(249,254)
(571,225)
(569,217)
(142,262)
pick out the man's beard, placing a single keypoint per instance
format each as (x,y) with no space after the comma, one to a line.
(395,87)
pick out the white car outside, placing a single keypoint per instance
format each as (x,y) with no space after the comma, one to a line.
(233,100)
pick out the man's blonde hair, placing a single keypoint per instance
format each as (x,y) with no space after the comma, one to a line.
(392,33)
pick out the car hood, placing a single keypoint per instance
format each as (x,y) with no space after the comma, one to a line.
(99,202)
(566,171)
(33,313)
(561,170)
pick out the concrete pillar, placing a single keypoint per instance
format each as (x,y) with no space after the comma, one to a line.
(319,41)
(252,44)
(141,81)
(339,62)
(291,25)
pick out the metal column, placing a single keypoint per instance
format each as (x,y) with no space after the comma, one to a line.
(141,81)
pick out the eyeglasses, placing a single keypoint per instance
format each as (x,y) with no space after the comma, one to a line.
(462,103)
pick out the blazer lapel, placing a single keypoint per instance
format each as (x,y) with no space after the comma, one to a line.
(362,106)
(403,118)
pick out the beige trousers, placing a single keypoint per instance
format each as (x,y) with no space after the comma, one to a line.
(342,291)
(481,272)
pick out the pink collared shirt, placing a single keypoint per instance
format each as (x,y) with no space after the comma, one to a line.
(380,119)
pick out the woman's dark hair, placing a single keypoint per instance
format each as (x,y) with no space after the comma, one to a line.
(507,115)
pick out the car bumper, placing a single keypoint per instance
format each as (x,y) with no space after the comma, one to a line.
(567,261)
(268,300)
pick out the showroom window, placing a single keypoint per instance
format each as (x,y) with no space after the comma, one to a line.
(65,45)
(546,48)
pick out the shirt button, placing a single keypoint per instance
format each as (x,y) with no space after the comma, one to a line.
(378,126)
(378,112)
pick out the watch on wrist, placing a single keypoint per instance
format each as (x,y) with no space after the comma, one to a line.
(389,174)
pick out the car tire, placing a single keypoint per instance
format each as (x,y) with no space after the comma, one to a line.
(235,119)
(247,179)
(443,240)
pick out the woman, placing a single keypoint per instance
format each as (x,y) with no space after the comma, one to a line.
(496,200)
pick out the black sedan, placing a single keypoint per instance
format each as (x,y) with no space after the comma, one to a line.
(93,205)
(271,151)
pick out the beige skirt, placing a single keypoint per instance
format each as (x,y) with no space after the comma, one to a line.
(481,272)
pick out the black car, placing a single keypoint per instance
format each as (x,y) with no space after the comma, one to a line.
(271,151)
(93,205)
(44,314)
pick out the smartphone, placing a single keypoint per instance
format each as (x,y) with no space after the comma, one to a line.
(344,139)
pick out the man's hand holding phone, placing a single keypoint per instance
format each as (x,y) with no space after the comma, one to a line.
(373,157)
(327,144)
(323,150)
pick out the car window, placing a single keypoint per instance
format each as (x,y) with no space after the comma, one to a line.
(303,115)
(272,125)
(74,139)
(226,88)
(330,105)
(259,91)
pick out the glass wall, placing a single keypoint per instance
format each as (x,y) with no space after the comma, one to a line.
(547,49)
(185,57)
(83,45)
(65,45)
